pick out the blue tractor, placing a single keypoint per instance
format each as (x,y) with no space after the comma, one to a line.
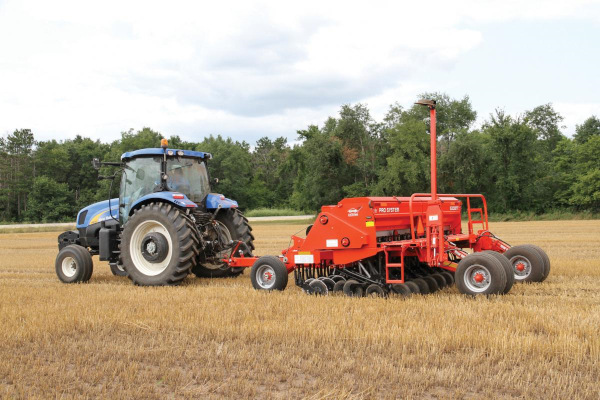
(165,224)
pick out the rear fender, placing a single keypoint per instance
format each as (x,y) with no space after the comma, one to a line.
(214,200)
(177,199)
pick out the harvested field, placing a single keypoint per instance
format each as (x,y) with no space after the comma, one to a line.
(221,338)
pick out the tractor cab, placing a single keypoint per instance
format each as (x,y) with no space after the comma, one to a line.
(150,171)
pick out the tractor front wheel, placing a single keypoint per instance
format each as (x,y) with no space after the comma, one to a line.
(158,246)
(74,264)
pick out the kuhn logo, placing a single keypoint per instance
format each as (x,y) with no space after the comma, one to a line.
(353,212)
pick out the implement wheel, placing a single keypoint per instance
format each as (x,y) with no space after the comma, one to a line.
(441,281)
(269,273)
(414,288)
(432,283)
(353,289)
(158,245)
(375,291)
(423,286)
(448,277)
(527,263)
(402,289)
(318,288)
(480,274)
(74,264)
(510,276)
(232,225)
(339,286)
(545,259)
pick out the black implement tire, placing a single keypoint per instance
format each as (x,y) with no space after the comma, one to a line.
(545,258)
(414,288)
(117,270)
(318,288)
(441,281)
(432,283)
(337,278)
(448,277)
(423,286)
(402,289)
(172,236)
(352,288)
(269,273)
(375,290)
(480,274)
(239,229)
(74,264)
(529,259)
(510,276)
(339,286)
(330,283)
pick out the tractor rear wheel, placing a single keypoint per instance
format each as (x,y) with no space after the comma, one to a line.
(74,264)
(232,225)
(158,246)
(527,263)
(480,274)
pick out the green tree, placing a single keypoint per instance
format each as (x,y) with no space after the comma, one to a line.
(587,130)
(50,201)
(514,153)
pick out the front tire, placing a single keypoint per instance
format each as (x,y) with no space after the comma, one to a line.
(74,264)
(158,246)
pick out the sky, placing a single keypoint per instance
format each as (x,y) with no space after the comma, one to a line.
(269,68)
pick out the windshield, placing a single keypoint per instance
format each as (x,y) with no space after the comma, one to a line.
(140,177)
(188,176)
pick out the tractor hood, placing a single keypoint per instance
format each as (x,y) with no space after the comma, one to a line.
(97,212)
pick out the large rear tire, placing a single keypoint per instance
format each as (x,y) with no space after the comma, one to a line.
(158,246)
(234,226)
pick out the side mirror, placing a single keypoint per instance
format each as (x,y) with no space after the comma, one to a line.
(96,163)
(215,181)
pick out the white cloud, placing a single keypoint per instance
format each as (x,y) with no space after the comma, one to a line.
(244,69)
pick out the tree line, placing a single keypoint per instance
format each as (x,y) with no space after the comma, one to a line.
(520,163)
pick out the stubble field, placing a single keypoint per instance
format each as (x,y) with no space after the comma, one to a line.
(221,338)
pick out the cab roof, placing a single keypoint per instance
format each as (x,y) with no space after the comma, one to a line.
(157,151)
